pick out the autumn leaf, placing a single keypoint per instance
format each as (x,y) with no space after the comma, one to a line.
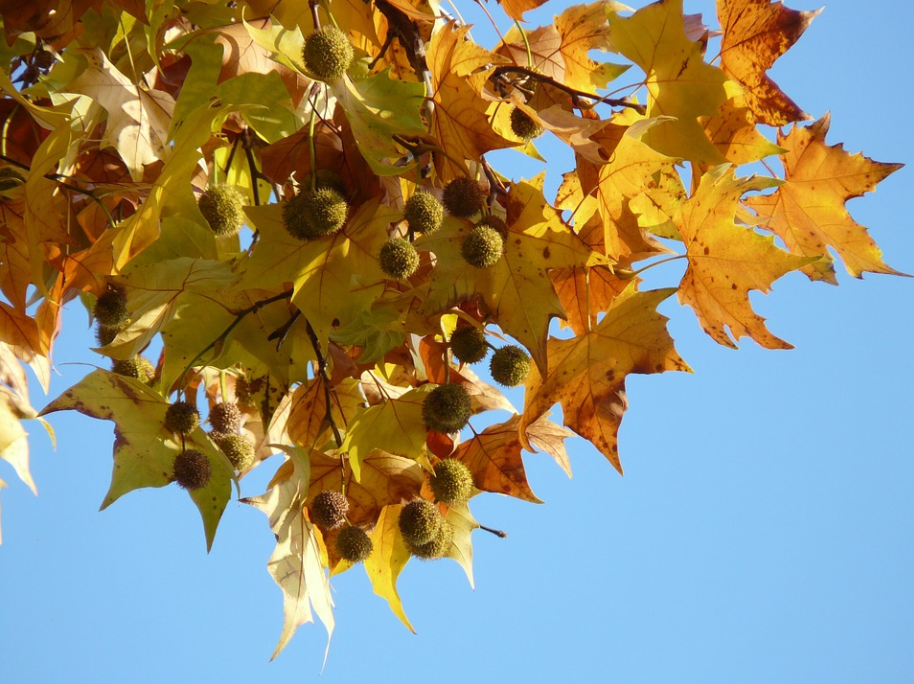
(808,211)
(587,373)
(388,558)
(308,424)
(144,450)
(679,83)
(516,8)
(727,260)
(734,134)
(756,33)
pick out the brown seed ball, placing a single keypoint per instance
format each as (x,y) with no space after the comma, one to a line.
(329,509)
(314,214)
(469,344)
(419,521)
(495,222)
(463,197)
(353,544)
(438,547)
(482,247)
(509,366)
(398,258)
(192,469)
(182,417)
(328,53)
(423,213)
(447,408)
(237,448)
(452,482)
(139,367)
(111,309)
(105,335)
(524,126)
(221,207)
(225,417)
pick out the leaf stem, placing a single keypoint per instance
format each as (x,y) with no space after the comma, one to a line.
(577,96)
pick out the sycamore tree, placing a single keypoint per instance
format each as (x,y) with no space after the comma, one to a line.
(282,219)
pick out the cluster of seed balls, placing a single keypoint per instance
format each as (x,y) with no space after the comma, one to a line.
(112,316)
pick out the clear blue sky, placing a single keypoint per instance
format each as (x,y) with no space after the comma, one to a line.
(762,532)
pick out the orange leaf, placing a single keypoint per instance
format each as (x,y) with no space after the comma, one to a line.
(516,8)
(587,373)
(756,33)
(808,212)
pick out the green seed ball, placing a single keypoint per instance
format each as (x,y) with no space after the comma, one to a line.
(452,482)
(111,309)
(225,417)
(495,222)
(328,53)
(463,197)
(482,247)
(237,448)
(353,544)
(221,207)
(423,213)
(139,367)
(437,547)
(182,417)
(311,215)
(192,469)
(447,408)
(523,126)
(469,344)
(329,509)
(509,366)
(420,520)
(398,258)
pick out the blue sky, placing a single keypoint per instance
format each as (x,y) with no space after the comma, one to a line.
(762,532)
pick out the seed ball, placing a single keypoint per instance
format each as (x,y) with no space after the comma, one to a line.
(509,366)
(237,448)
(495,222)
(221,207)
(329,509)
(325,178)
(191,469)
(314,214)
(225,417)
(437,547)
(463,197)
(111,309)
(420,520)
(139,367)
(398,258)
(447,408)
(328,53)
(182,417)
(482,247)
(524,126)
(469,344)
(353,544)
(452,482)
(423,213)
(105,334)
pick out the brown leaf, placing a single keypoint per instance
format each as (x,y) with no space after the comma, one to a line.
(494,458)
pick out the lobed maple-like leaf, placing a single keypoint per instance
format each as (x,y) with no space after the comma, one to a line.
(387,560)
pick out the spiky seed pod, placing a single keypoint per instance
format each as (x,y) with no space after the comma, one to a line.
(325,178)
(447,408)
(10,178)
(419,521)
(329,509)
(452,482)
(311,215)
(353,544)
(182,417)
(225,417)
(237,448)
(221,207)
(398,258)
(523,126)
(138,367)
(463,197)
(192,469)
(495,222)
(111,309)
(469,344)
(509,366)
(423,213)
(482,247)
(105,335)
(438,547)
(328,53)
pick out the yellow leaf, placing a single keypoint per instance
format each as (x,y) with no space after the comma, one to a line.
(733,132)
(516,8)
(808,211)
(679,83)
(727,260)
(387,560)
(463,523)
(587,373)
